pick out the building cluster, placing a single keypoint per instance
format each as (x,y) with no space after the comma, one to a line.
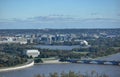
(59,38)
(8,39)
(42,39)
(56,36)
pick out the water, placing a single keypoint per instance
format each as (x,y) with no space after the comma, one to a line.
(58,47)
(112,71)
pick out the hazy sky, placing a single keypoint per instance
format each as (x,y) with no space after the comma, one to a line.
(23,14)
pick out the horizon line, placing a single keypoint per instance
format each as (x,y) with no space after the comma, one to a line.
(57,28)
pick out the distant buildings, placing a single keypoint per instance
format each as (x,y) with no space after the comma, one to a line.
(53,38)
(32,52)
(82,42)
(8,40)
(43,39)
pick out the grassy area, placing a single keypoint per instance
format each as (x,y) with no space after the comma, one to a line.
(116,48)
(47,59)
(84,53)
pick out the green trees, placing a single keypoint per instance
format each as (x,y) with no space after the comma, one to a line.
(105,42)
(8,60)
(73,74)
(11,55)
(61,54)
(38,60)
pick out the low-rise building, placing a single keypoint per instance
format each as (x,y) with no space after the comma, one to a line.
(12,40)
(32,52)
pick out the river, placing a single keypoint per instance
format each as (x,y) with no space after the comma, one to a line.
(59,47)
(112,71)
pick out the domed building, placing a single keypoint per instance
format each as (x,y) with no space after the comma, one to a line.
(83,42)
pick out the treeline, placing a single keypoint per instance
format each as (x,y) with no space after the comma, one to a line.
(7,60)
(99,52)
(11,55)
(73,74)
(54,31)
(46,53)
(105,42)
(16,49)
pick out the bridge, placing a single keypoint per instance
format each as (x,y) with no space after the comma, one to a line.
(94,62)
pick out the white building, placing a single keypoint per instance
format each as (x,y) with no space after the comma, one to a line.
(32,52)
(12,40)
(84,42)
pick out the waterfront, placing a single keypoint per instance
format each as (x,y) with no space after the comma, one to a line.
(112,71)
(22,66)
(60,37)
(114,57)
(59,47)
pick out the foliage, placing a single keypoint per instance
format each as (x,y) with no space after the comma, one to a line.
(73,74)
(11,55)
(38,60)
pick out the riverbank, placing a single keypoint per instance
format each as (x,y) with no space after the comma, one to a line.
(105,60)
(112,57)
(52,62)
(17,67)
(56,61)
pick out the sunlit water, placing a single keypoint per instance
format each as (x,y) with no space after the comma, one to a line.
(112,71)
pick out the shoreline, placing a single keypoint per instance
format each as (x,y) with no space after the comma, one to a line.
(103,57)
(29,65)
(17,67)
(44,62)
(52,62)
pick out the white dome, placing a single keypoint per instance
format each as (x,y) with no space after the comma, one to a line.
(84,42)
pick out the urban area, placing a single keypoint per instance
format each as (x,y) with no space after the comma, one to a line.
(84,46)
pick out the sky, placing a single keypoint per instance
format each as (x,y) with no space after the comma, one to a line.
(40,14)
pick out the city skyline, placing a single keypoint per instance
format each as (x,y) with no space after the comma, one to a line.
(59,14)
